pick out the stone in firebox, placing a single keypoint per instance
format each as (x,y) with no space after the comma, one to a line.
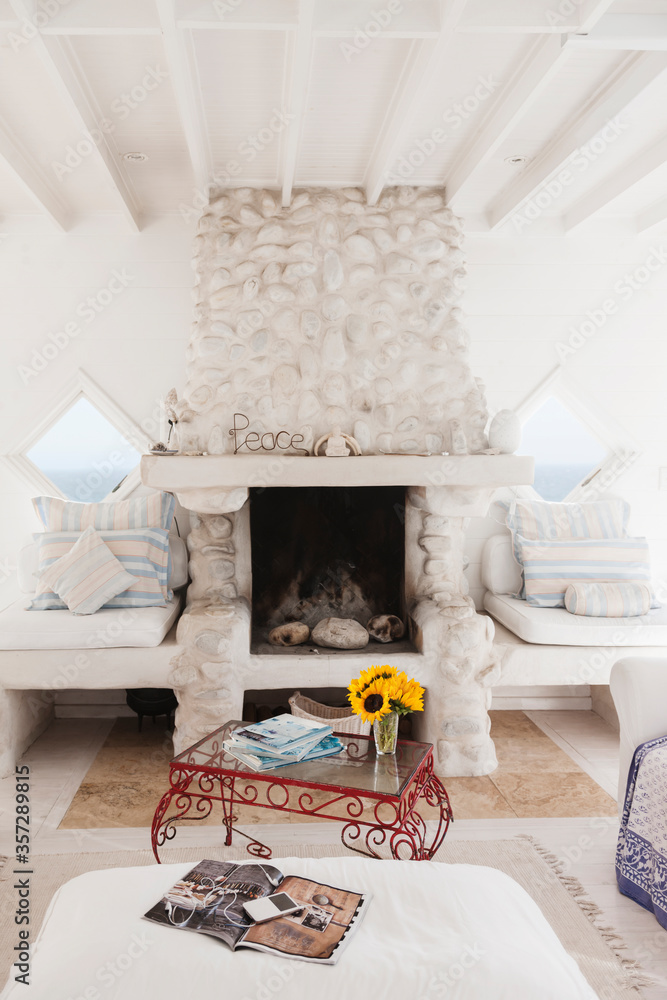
(340,633)
(386,628)
(289,634)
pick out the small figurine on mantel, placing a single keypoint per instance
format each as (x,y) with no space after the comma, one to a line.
(337,444)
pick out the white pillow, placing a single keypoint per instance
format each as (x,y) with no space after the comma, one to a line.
(87,576)
(501,574)
(609,599)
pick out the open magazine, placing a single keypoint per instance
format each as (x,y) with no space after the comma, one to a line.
(210,898)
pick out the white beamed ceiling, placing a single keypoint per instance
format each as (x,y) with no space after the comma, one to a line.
(360,108)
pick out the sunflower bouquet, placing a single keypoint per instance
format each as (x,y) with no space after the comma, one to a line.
(380,695)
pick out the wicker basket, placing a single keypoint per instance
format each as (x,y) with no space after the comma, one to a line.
(340,719)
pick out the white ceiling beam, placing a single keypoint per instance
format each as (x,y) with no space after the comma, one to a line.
(638,169)
(70,82)
(515,99)
(654,215)
(424,59)
(591,12)
(30,177)
(181,63)
(532,16)
(297,76)
(631,79)
(627,32)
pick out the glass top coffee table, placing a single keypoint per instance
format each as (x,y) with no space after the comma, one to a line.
(375,798)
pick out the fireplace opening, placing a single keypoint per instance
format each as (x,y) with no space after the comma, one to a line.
(326,552)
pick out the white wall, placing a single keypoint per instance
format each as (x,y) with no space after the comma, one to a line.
(523,295)
(134,349)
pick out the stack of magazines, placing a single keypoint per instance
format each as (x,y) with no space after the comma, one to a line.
(280,741)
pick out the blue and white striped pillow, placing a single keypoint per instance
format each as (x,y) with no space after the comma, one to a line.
(550,566)
(87,576)
(618,599)
(156,510)
(143,552)
(533,519)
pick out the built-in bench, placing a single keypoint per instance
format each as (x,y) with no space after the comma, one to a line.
(48,651)
(550,646)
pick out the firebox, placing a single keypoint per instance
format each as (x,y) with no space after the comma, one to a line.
(326,552)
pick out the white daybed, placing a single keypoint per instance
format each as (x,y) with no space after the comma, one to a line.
(550,646)
(46,651)
(430,929)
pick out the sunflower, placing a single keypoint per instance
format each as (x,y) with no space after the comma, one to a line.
(373,702)
(368,677)
(406,696)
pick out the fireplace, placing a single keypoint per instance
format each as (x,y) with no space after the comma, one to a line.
(332,315)
(320,552)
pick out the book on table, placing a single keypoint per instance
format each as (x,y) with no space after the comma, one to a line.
(259,761)
(210,898)
(282,732)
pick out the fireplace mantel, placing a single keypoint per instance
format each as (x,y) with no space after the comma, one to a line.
(179,473)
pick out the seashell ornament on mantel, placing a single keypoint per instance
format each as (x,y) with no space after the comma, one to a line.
(337,444)
(505,432)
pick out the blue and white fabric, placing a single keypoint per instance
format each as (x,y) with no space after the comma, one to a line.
(155,510)
(641,853)
(550,566)
(542,519)
(143,552)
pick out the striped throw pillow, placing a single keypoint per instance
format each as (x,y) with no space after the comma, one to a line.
(549,567)
(87,576)
(543,519)
(143,552)
(153,511)
(621,599)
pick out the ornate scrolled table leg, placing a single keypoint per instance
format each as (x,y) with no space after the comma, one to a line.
(435,794)
(405,835)
(184,800)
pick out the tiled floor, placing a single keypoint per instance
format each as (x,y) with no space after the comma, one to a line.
(62,757)
(535,778)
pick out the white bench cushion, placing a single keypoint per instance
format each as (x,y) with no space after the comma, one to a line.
(108,627)
(557,627)
(429,927)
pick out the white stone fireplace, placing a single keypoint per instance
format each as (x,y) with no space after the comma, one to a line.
(333,313)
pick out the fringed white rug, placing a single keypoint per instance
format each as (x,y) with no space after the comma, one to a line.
(577,921)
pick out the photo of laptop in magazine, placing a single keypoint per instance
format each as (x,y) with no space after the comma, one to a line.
(210,898)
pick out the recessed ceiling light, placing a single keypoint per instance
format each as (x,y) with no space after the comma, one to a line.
(516,160)
(135,157)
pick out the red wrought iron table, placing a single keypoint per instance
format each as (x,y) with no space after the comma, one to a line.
(393,787)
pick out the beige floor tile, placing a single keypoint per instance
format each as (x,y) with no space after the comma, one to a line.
(475,798)
(531,756)
(552,794)
(535,778)
(515,724)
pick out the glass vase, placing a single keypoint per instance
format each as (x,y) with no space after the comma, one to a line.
(385,732)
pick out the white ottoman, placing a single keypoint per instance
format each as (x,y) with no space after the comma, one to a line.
(432,930)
